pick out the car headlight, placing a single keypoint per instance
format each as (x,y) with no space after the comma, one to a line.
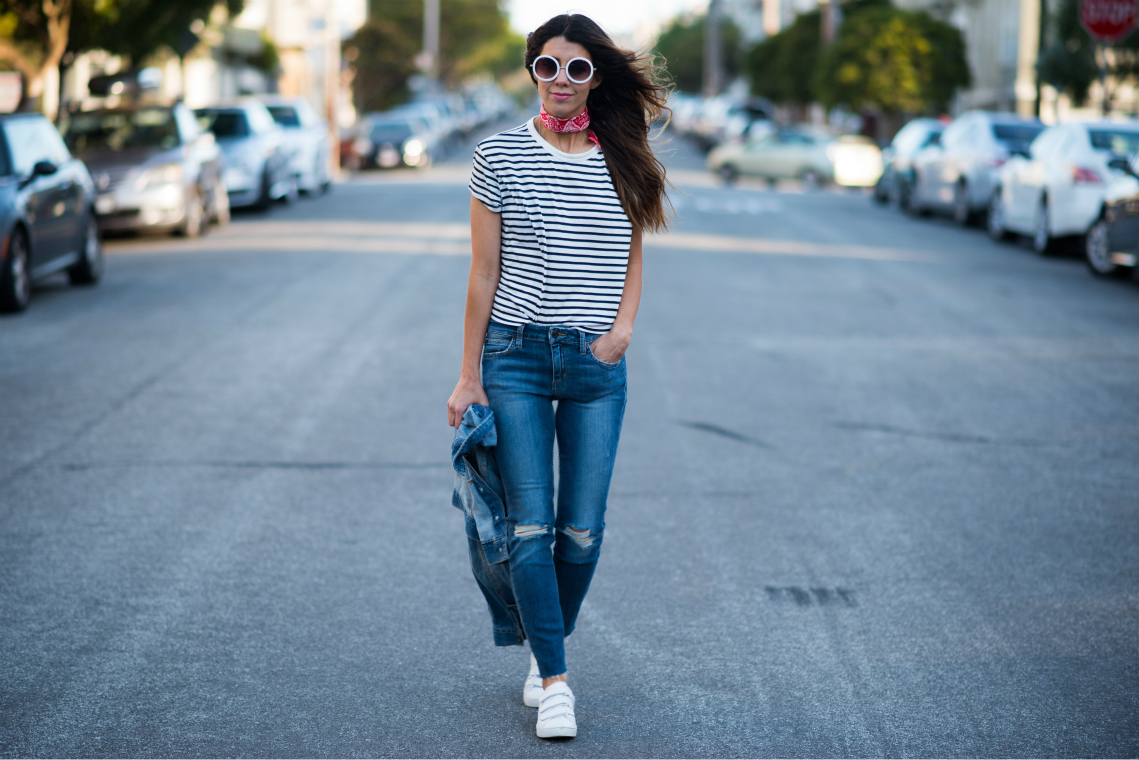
(413,148)
(362,146)
(166,174)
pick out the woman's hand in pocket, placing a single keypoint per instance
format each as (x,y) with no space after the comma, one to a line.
(468,391)
(611,346)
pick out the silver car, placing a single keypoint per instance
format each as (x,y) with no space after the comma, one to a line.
(957,171)
(258,160)
(307,135)
(153,167)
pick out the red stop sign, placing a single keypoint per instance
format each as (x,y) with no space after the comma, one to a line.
(1108,20)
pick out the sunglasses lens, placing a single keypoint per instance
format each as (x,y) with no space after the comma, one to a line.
(579,70)
(546,68)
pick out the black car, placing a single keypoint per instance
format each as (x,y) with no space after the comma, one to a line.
(47,215)
(1111,246)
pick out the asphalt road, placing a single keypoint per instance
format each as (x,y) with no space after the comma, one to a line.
(876,496)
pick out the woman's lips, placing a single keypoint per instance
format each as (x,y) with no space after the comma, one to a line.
(562,95)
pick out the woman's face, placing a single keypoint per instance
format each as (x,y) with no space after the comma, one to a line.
(563,98)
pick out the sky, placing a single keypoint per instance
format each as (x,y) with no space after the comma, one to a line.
(618,17)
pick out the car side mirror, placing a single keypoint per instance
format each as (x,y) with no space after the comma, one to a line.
(1123,165)
(44,168)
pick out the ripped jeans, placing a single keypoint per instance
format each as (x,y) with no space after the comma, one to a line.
(553,553)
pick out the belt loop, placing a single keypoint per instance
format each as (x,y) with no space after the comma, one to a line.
(521,332)
(583,342)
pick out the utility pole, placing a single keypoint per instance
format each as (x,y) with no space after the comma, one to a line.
(772,17)
(431,42)
(1041,41)
(827,12)
(713,53)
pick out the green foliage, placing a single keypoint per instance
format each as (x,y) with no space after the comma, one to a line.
(138,28)
(893,60)
(474,37)
(269,59)
(1068,61)
(885,58)
(681,46)
(782,66)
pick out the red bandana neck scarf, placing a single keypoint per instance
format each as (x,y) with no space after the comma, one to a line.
(579,123)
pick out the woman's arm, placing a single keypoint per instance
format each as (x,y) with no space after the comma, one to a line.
(486,266)
(611,346)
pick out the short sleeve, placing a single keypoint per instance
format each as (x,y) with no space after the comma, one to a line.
(484,182)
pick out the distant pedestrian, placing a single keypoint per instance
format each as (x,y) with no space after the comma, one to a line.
(558,209)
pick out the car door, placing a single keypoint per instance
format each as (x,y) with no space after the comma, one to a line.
(27,148)
(69,204)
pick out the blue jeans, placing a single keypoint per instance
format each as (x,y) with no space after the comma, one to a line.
(552,553)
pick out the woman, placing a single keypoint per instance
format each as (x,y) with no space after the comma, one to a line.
(557,211)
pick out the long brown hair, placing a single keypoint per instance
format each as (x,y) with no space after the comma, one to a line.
(631,96)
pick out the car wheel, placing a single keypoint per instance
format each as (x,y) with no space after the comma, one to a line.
(962,214)
(89,268)
(197,217)
(1097,252)
(263,198)
(810,180)
(729,173)
(996,218)
(16,275)
(1042,240)
(881,196)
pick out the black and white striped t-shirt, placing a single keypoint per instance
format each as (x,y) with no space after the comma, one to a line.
(565,236)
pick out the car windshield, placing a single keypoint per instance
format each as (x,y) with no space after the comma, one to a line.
(1117,141)
(1017,134)
(122,130)
(224,123)
(391,132)
(286,116)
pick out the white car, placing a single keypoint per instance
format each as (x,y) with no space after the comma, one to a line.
(957,172)
(1057,190)
(307,136)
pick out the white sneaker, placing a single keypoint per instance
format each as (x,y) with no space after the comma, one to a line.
(532,690)
(555,712)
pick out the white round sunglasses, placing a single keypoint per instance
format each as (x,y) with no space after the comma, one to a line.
(546,68)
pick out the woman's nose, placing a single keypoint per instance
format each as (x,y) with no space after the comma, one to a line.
(563,75)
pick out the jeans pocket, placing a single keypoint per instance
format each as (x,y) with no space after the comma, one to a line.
(607,365)
(497,344)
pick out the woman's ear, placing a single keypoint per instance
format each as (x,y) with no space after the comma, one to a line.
(596,81)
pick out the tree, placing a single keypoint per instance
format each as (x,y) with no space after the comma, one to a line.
(474,37)
(1069,61)
(782,66)
(681,46)
(35,34)
(894,61)
(139,28)
(33,39)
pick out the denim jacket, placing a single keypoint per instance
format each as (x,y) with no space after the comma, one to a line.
(479,494)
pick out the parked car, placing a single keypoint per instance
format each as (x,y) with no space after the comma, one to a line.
(258,160)
(956,172)
(897,170)
(307,135)
(47,214)
(391,141)
(153,167)
(1057,189)
(780,154)
(1111,247)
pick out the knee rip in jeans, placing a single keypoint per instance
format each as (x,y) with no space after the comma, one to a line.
(579,536)
(530,530)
